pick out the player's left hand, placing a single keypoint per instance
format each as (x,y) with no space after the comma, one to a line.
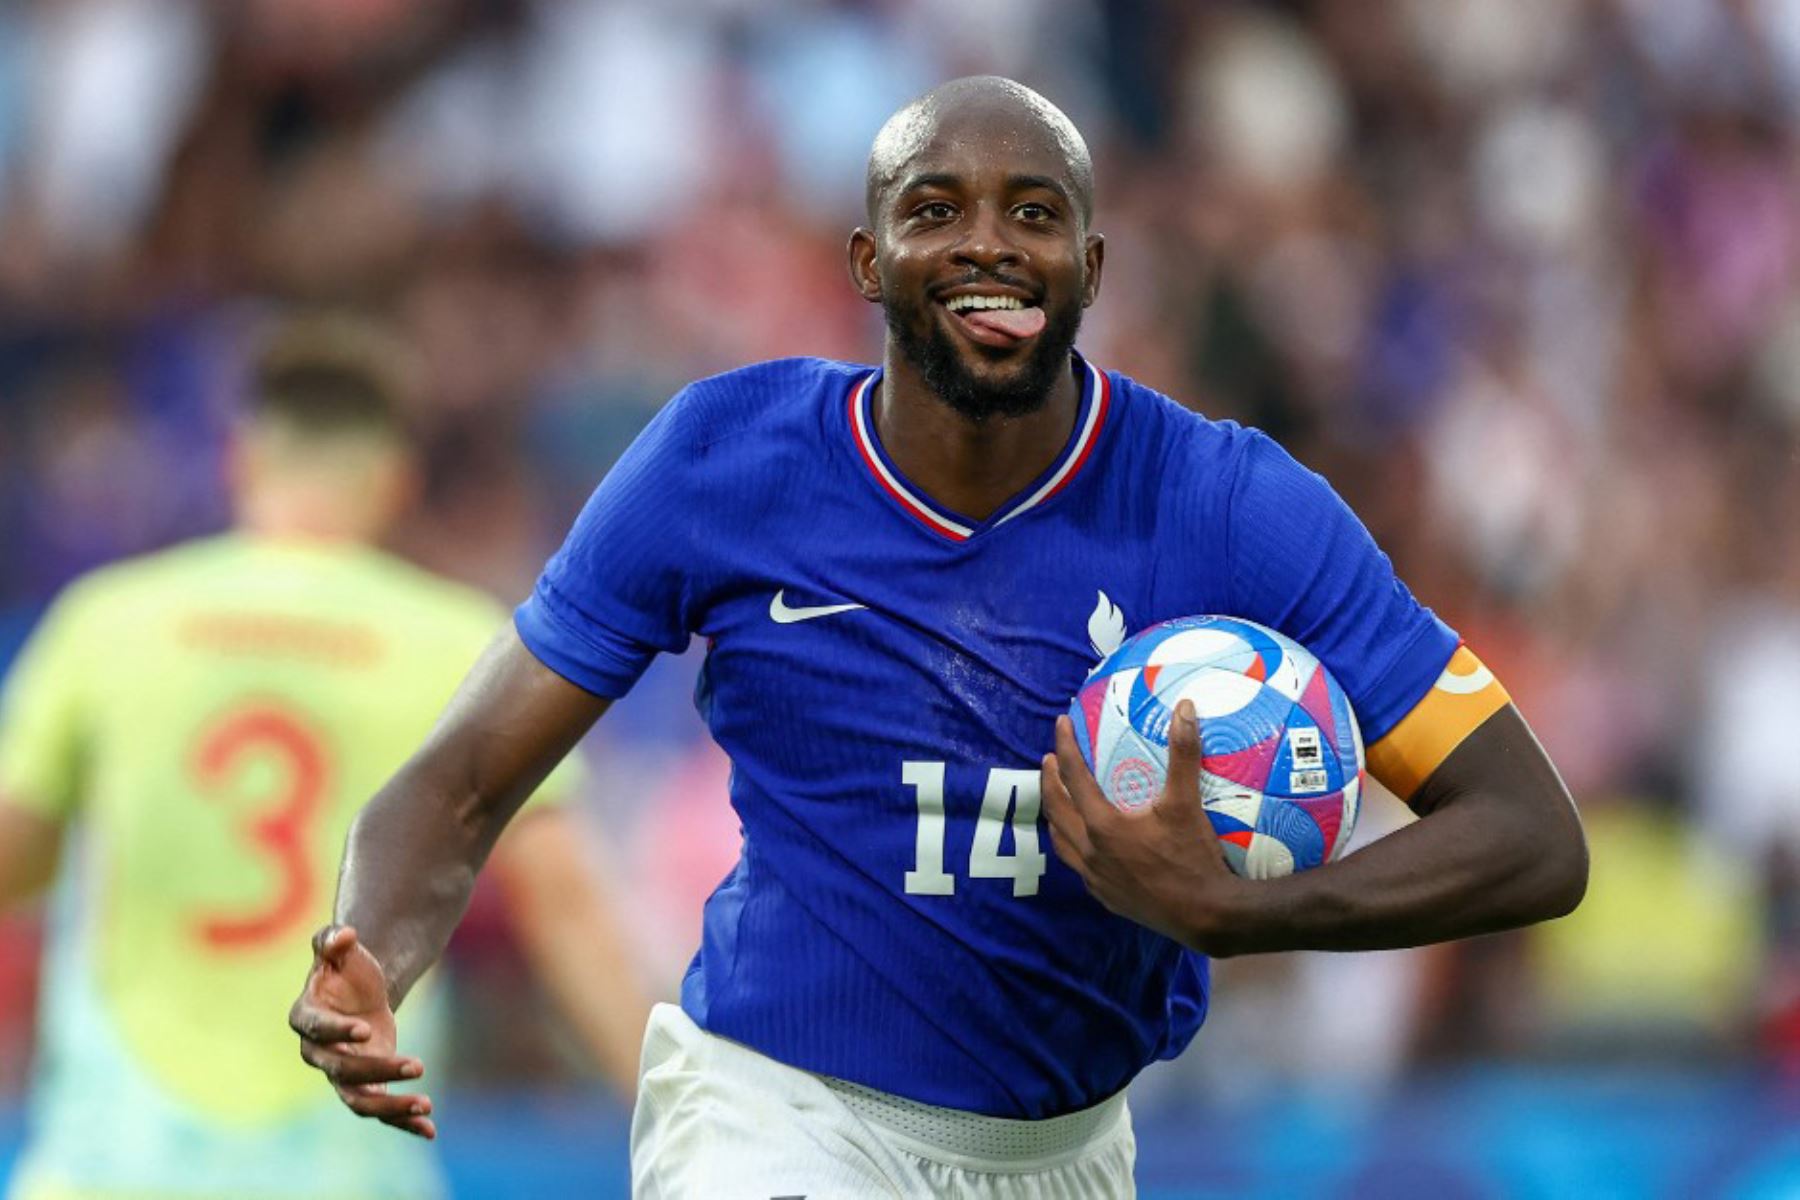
(1161,865)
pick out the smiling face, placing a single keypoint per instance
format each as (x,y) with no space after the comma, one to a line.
(979,198)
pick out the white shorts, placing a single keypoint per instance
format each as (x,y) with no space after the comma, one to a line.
(716,1120)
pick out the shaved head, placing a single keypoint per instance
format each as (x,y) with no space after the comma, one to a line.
(978,247)
(1001,108)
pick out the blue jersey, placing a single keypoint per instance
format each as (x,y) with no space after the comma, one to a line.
(885,676)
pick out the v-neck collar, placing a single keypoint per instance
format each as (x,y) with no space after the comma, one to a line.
(1090,417)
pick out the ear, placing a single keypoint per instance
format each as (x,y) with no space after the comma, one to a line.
(399,483)
(1096,258)
(865,277)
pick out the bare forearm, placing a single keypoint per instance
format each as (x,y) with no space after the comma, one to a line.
(599,997)
(409,868)
(413,853)
(567,926)
(30,845)
(1471,869)
(1500,846)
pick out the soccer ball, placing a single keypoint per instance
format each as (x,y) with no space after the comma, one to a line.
(1281,755)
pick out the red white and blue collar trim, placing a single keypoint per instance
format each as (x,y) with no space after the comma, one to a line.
(1090,418)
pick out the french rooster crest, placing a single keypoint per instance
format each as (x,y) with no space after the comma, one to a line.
(1106,627)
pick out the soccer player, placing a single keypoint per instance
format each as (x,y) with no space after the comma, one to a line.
(192,732)
(898,992)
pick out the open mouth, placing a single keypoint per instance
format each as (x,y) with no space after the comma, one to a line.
(999,321)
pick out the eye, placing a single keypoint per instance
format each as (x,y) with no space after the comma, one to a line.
(935,210)
(1035,212)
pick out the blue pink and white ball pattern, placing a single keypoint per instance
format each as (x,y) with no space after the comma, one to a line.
(1281,754)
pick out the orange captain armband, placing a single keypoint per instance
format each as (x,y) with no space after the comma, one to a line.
(1464,696)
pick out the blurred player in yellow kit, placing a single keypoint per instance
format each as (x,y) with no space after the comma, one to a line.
(183,744)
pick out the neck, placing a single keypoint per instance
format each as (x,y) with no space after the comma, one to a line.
(970,467)
(286,516)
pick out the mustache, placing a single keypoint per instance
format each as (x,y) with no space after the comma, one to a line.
(989,278)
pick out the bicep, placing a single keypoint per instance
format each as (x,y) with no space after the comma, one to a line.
(541,864)
(1502,761)
(506,728)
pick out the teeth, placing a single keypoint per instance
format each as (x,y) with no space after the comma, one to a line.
(964,303)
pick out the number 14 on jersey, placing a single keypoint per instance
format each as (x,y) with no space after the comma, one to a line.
(1011,798)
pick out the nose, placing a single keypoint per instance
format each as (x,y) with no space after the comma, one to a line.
(987,244)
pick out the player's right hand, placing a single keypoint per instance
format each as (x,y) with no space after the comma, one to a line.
(346,1029)
(1159,865)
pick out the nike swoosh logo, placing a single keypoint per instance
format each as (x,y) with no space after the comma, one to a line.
(781,614)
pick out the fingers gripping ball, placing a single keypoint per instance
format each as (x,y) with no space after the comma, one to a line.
(1281,755)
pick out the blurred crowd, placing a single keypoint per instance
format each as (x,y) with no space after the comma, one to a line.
(1521,277)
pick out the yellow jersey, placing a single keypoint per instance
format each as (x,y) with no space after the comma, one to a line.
(208,720)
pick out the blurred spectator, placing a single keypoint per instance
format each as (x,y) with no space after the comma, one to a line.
(1658,959)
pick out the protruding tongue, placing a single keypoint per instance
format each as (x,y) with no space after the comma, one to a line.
(1018,323)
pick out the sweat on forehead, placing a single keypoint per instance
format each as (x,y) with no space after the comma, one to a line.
(910,131)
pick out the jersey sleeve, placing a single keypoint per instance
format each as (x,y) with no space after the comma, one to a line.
(614,595)
(1302,563)
(43,717)
(1459,700)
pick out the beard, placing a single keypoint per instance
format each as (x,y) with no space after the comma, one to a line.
(928,346)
